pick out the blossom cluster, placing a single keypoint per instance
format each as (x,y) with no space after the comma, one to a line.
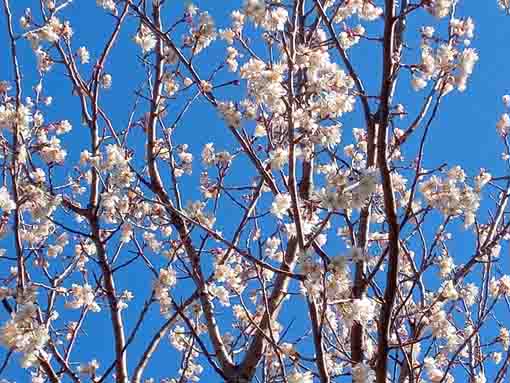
(452,196)
(233,221)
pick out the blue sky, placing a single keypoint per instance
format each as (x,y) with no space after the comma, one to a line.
(464,133)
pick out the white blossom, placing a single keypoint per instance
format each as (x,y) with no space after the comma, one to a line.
(281,204)
(83,55)
(6,203)
(145,39)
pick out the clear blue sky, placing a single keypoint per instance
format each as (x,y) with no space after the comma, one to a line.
(463,134)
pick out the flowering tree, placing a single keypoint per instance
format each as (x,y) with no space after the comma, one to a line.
(296,247)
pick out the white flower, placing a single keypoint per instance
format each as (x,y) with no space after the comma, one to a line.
(191,9)
(24,334)
(231,59)
(428,31)
(279,157)
(362,373)
(368,183)
(440,325)
(440,8)
(167,277)
(504,337)
(83,54)
(219,292)
(281,203)
(83,296)
(237,20)
(506,100)
(480,378)
(230,113)
(171,86)
(90,368)
(24,22)
(446,265)
(255,9)
(449,291)
(202,33)
(260,131)
(275,19)
(463,27)
(503,124)
(228,35)
(468,60)
(496,357)
(145,39)
(44,61)
(500,287)
(63,126)
(363,310)
(195,211)
(6,203)
(208,154)
(272,245)
(264,84)
(418,83)
(206,86)
(109,5)
(300,377)
(106,81)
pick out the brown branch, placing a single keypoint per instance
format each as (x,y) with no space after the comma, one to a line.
(364,222)
(109,283)
(157,337)
(318,340)
(16,140)
(387,88)
(255,351)
(115,310)
(48,370)
(177,221)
